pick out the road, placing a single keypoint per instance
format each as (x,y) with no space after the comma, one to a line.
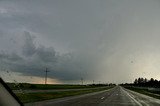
(117,96)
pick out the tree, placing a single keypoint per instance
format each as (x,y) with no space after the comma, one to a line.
(136,81)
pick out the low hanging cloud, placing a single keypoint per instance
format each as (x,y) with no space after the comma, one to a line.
(33,61)
(29,48)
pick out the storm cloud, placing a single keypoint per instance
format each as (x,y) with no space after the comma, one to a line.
(105,40)
(34,60)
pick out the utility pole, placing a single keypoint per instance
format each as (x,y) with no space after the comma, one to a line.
(46,76)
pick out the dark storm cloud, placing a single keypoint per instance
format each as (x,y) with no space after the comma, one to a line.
(94,39)
(28,48)
(34,60)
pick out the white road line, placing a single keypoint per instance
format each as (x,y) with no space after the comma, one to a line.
(143,102)
(102,98)
(139,104)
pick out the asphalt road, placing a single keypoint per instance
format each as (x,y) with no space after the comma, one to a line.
(117,96)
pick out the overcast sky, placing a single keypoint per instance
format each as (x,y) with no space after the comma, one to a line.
(103,40)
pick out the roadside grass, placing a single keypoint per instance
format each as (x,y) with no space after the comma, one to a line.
(154,94)
(27,86)
(33,97)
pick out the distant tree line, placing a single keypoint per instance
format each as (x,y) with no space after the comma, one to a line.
(110,84)
(144,82)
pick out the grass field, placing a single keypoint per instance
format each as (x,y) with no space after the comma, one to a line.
(26,86)
(33,97)
(39,96)
(155,94)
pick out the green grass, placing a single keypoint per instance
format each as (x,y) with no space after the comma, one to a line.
(24,86)
(155,94)
(33,97)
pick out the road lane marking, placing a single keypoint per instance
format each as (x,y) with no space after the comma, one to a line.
(102,97)
(132,98)
(141,101)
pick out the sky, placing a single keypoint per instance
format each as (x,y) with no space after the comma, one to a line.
(108,41)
